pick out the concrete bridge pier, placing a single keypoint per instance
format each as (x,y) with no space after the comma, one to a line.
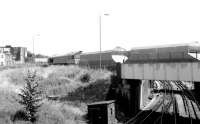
(131,88)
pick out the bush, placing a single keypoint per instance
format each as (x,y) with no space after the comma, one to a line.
(85,78)
(95,91)
(30,97)
(55,82)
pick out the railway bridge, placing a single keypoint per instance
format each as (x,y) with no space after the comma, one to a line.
(163,79)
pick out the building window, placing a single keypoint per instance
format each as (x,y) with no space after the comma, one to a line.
(1,56)
(2,63)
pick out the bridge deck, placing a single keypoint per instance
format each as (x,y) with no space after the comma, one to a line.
(184,71)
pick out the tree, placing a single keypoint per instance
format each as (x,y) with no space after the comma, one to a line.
(31,96)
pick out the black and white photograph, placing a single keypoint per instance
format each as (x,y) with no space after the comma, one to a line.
(99,62)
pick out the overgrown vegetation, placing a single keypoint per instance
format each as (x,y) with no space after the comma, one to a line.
(96,91)
(55,82)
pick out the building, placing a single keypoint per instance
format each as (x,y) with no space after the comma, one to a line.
(5,56)
(12,55)
(41,60)
(19,54)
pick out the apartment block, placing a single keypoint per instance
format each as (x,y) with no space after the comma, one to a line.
(12,55)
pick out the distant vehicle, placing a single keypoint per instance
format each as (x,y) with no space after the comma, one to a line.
(181,52)
(93,59)
(167,53)
(69,59)
(90,59)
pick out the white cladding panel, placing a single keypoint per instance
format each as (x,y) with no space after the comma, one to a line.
(187,71)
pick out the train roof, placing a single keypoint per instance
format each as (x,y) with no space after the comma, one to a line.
(73,53)
(194,47)
(69,54)
(167,53)
(116,49)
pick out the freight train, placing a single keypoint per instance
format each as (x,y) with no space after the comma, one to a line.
(170,53)
(90,59)
(167,53)
(71,58)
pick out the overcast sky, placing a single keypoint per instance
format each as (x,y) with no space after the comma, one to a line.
(71,25)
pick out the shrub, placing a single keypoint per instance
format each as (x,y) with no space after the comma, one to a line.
(85,78)
(30,96)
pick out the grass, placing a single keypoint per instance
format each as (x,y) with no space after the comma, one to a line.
(74,86)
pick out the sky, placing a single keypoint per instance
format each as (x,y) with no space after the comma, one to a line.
(62,26)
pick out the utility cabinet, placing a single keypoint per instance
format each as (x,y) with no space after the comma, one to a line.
(102,112)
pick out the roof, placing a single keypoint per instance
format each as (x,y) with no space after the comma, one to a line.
(69,54)
(166,53)
(175,48)
(102,102)
(194,44)
(116,49)
(73,53)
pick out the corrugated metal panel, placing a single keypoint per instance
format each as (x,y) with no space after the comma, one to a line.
(94,59)
(162,54)
(163,49)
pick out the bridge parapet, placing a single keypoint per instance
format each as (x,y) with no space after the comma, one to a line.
(183,71)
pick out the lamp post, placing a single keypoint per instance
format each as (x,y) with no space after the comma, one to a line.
(100,36)
(33,39)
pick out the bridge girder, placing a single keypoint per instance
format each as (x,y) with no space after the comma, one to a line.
(173,71)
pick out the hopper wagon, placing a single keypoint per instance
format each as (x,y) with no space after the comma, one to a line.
(92,59)
(69,59)
(168,53)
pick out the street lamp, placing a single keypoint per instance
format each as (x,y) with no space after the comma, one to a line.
(100,36)
(33,39)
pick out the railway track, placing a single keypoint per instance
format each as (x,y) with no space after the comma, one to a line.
(144,116)
(191,106)
(168,101)
(168,106)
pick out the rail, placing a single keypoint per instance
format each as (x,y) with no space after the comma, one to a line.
(167,100)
